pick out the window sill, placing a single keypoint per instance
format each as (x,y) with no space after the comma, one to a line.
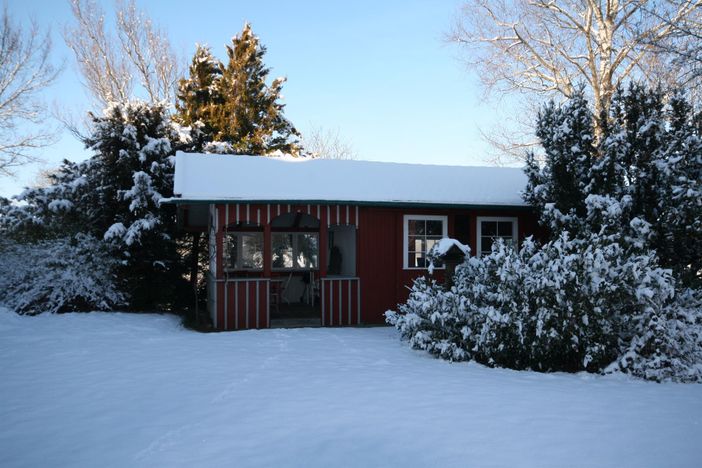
(283,270)
(422,268)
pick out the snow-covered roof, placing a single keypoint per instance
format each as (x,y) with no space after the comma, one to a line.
(217,177)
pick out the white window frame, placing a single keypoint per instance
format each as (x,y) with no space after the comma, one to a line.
(479,225)
(405,227)
(296,250)
(239,248)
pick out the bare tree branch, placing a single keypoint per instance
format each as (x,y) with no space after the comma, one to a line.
(25,71)
(149,51)
(138,57)
(547,48)
(682,50)
(324,143)
(106,72)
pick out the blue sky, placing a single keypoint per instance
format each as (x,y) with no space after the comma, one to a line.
(381,73)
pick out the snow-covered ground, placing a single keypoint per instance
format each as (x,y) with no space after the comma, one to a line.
(116,390)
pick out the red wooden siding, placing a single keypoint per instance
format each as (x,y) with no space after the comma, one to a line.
(340,301)
(381,281)
(242,303)
(378,244)
(262,214)
(380,252)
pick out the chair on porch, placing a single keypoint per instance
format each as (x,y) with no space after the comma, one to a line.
(279,289)
(311,290)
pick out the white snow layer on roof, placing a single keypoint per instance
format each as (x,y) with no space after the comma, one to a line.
(218,177)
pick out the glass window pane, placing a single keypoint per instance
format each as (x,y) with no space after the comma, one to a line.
(435,228)
(282,250)
(415,260)
(251,251)
(307,253)
(430,244)
(488,228)
(244,251)
(416,244)
(230,251)
(415,226)
(486,244)
(504,228)
(422,235)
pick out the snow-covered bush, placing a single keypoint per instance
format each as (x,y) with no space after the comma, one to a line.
(431,320)
(58,275)
(665,344)
(648,151)
(596,303)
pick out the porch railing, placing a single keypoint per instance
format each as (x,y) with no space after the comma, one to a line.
(242,303)
(340,301)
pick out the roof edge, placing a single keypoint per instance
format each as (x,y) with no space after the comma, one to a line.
(185,201)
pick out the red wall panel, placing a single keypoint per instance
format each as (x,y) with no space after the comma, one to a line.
(384,281)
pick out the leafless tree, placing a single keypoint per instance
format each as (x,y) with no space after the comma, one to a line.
(138,56)
(327,144)
(546,48)
(150,52)
(25,71)
(682,51)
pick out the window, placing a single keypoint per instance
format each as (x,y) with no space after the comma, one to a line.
(492,228)
(421,232)
(295,250)
(243,251)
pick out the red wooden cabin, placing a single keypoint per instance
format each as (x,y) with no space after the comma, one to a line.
(334,242)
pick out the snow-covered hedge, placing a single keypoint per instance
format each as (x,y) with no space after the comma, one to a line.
(58,275)
(600,304)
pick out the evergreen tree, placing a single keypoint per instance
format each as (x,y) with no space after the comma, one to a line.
(132,171)
(198,97)
(237,111)
(114,196)
(560,184)
(648,157)
(251,118)
(679,239)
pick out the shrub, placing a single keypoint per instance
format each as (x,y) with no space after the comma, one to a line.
(58,275)
(599,303)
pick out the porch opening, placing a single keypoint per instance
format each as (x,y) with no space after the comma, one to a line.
(295,271)
(342,250)
(291,270)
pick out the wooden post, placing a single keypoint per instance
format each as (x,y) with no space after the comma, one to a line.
(267,250)
(323,240)
(219,240)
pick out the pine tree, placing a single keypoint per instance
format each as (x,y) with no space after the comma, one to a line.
(132,170)
(198,97)
(231,108)
(251,117)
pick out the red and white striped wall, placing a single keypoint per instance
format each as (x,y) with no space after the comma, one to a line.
(238,303)
(341,301)
(242,303)
(262,214)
